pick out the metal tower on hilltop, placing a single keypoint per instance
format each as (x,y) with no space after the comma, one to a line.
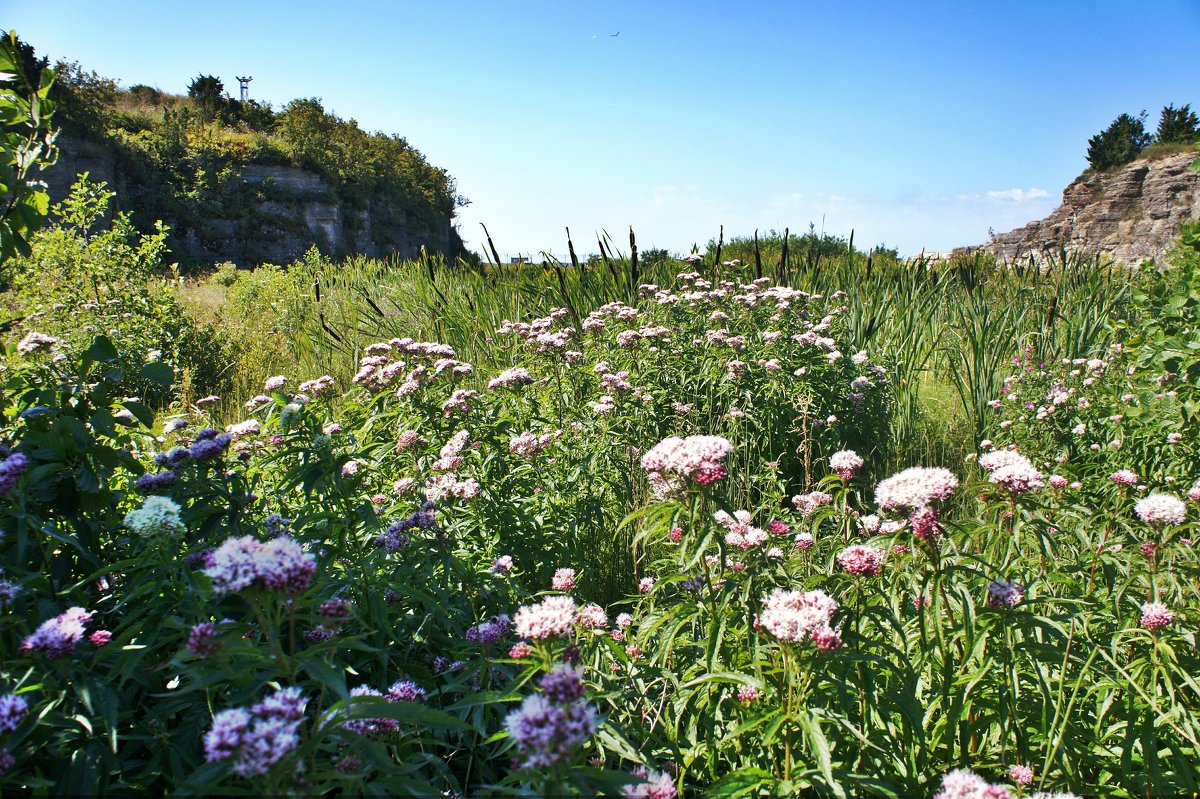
(245,82)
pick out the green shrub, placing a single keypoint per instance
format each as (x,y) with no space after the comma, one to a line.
(83,279)
(26,145)
(226,275)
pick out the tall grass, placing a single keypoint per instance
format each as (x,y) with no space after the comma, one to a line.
(945,330)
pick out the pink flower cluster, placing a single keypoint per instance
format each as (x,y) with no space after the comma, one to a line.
(800,615)
(1124,477)
(924,523)
(965,784)
(57,637)
(845,463)
(1156,615)
(489,632)
(741,535)
(1011,471)
(538,334)
(318,387)
(278,564)
(449,458)
(11,469)
(445,485)
(1161,509)
(915,488)
(591,617)
(991,461)
(459,402)
(528,444)
(699,458)
(1004,595)
(427,349)
(553,617)
(654,785)
(511,378)
(1021,775)
(861,561)
(807,504)
(13,708)
(240,430)
(563,580)
(401,691)
(408,438)
(258,738)
(36,342)
(204,640)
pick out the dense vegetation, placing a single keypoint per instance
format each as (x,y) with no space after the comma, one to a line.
(794,520)
(181,154)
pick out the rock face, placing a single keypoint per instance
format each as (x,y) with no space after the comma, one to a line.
(1128,216)
(271,214)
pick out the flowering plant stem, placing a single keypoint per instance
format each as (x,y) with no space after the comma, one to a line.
(256,602)
(794,684)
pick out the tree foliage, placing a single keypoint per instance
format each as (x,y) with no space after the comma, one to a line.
(363,162)
(1119,143)
(1177,125)
(209,93)
(1126,138)
(84,99)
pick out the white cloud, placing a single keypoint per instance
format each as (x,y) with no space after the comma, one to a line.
(1018,195)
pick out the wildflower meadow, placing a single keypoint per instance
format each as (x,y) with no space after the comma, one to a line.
(707,526)
(657,546)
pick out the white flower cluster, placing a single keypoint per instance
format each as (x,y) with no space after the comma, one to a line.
(158,516)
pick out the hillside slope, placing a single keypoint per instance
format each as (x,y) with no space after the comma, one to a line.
(262,213)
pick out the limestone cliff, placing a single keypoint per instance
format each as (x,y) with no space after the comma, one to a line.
(1127,215)
(267,214)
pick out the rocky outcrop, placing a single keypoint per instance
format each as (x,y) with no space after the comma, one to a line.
(1127,215)
(268,214)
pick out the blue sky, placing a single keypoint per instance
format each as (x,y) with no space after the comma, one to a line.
(914,124)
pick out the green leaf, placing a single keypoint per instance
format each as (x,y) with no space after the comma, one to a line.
(743,782)
(103,422)
(322,672)
(101,350)
(819,745)
(614,740)
(140,412)
(158,373)
(372,707)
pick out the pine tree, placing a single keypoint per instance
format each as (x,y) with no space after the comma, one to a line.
(1177,125)
(1120,143)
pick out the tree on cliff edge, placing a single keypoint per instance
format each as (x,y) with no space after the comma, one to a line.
(1120,143)
(1177,126)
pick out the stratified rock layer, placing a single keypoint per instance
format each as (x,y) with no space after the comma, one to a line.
(1128,215)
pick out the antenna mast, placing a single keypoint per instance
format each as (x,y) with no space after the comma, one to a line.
(245,82)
